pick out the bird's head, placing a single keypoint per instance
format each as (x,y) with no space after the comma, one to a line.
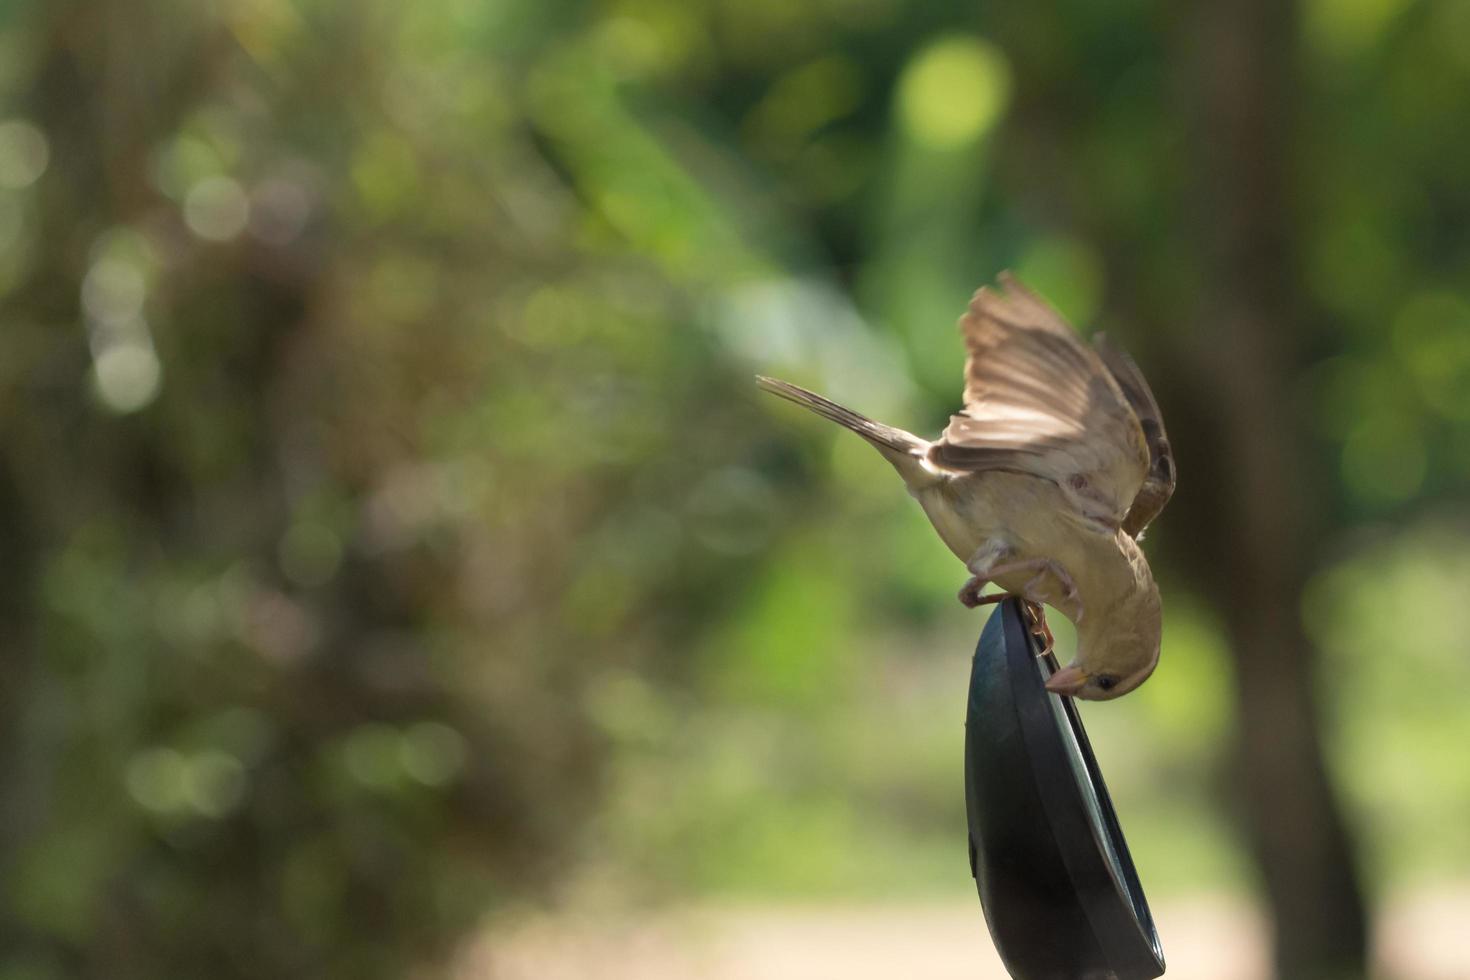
(1098,683)
(1114,656)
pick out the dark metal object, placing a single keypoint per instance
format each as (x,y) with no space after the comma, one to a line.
(1055,878)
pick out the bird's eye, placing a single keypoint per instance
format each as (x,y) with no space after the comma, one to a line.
(1107,682)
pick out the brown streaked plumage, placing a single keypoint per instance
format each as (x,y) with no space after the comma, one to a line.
(1045,481)
(1158,485)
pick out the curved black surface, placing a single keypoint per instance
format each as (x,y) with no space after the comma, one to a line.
(1060,893)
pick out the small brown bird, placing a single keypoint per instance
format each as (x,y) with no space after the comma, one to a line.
(1045,482)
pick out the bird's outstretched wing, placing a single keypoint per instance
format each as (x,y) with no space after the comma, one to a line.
(1040,401)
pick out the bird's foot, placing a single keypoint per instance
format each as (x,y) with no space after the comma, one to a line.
(1036,613)
(970,596)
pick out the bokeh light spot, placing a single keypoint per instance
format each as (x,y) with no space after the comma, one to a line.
(156,780)
(953,91)
(372,755)
(432,753)
(24,154)
(180,164)
(216,209)
(113,291)
(127,375)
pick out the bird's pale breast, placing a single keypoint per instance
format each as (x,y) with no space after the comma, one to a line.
(1032,517)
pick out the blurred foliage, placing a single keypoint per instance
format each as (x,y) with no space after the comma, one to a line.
(391,531)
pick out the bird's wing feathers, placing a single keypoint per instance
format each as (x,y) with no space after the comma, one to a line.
(1039,401)
(1158,485)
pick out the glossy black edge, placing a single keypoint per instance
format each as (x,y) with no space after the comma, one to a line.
(1031,905)
(1133,887)
(1118,910)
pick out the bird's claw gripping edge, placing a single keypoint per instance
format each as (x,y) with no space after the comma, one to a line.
(970,594)
(1035,612)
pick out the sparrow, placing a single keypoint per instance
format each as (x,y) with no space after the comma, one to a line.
(1044,482)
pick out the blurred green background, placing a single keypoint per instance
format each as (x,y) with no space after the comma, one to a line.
(391,534)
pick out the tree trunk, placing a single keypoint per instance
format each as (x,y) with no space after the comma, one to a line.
(1241,78)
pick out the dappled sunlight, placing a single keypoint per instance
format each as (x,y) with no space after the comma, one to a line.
(403,575)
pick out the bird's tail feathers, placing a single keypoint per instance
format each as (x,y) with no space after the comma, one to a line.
(885,437)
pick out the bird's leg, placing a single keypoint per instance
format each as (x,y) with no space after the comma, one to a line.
(982,566)
(1035,612)
(1043,567)
(989,562)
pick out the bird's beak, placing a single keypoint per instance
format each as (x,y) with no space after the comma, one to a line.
(1068,680)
